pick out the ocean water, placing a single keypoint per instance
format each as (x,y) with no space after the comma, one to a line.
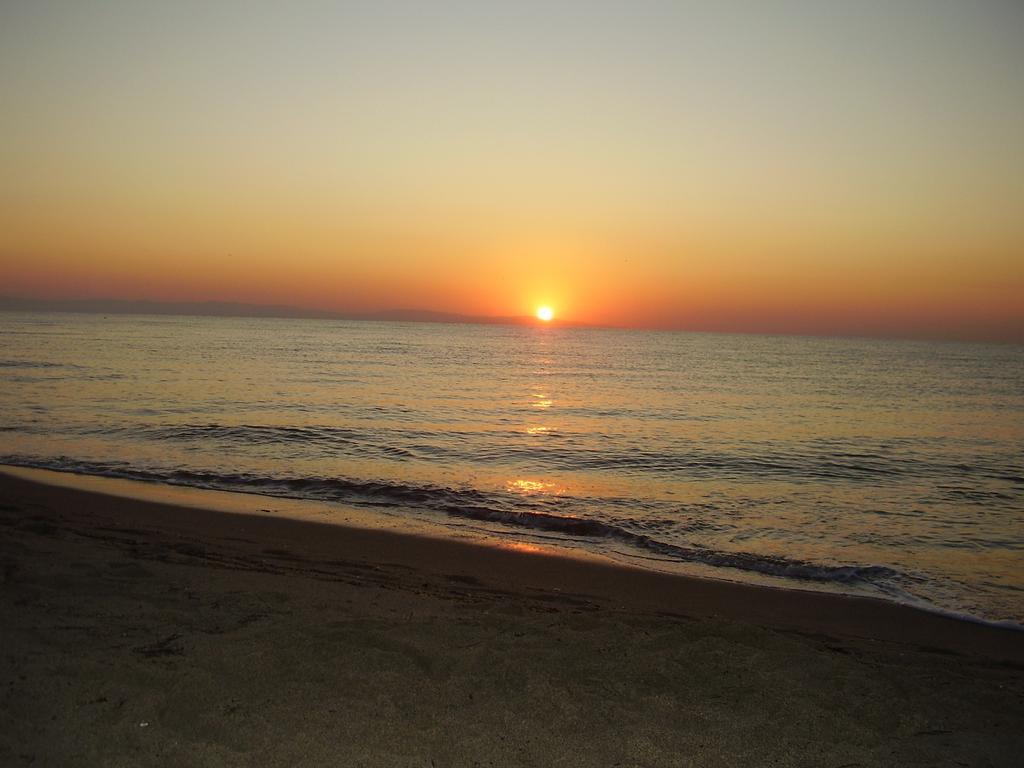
(886,468)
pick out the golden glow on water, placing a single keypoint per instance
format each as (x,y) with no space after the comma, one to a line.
(532,549)
(524,485)
(542,400)
(824,451)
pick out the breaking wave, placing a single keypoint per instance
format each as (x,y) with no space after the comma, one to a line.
(474,504)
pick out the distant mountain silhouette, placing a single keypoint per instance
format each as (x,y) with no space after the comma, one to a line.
(235,309)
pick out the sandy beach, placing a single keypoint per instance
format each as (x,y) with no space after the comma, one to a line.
(145,633)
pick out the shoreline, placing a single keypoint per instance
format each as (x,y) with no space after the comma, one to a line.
(243,501)
(146,633)
(199,514)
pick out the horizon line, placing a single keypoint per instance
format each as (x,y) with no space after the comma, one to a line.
(221,308)
(237,309)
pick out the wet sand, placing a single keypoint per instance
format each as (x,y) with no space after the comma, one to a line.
(145,633)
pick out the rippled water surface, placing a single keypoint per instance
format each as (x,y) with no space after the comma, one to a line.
(887,468)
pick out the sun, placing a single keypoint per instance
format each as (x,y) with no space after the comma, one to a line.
(545,314)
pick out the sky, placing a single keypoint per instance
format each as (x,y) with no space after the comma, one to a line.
(779,166)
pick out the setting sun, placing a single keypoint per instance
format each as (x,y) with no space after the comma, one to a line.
(545,314)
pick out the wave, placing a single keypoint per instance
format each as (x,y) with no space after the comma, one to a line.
(789,568)
(859,460)
(475,504)
(39,364)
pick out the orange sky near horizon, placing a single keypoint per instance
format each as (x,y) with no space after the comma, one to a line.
(808,168)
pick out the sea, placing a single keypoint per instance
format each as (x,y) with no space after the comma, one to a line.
(893,469)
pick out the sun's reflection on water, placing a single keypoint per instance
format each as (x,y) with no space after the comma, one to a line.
(522,546)
(526,486)
(542,400)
